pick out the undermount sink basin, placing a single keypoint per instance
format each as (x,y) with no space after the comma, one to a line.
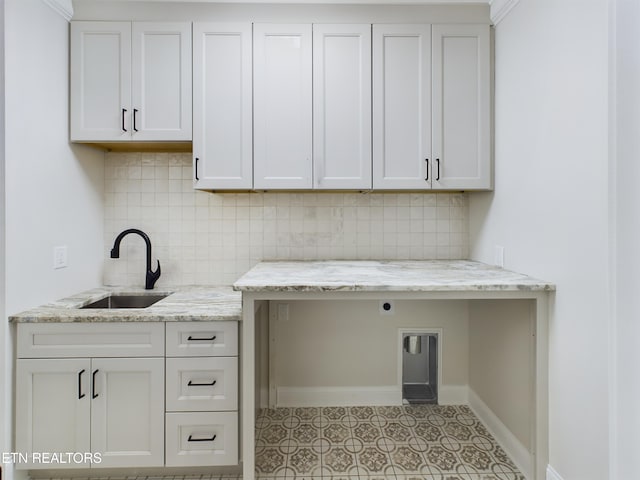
(126,301)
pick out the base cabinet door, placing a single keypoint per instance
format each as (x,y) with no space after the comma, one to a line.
(128,411)
(53,403)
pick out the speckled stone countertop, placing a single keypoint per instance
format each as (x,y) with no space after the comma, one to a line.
(405,276)
(184,304)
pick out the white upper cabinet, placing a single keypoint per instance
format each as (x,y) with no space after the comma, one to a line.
(222,106)
(100,81)
(401,106)
(342,106)
(461,107)
(130,82)
(161,81)
(282,106)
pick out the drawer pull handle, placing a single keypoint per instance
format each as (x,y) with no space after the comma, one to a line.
(93,384)
(80,394)
(192,384)
(196,339)
(191,439)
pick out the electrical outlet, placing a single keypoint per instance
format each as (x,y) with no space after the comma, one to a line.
(387,307)
(59,257)
(498,259)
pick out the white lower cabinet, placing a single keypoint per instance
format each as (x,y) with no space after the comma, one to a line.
(201,394)
(107,406)
(202,438)
(96,391)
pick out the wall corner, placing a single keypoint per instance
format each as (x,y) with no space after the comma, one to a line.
(499,9)
(64,8)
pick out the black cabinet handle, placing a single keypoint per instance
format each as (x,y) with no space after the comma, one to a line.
(197,168)
(192,384)
(195,339)
(124,110)
(80,394)
(135,110)
(427,178)
(93,384)
(438,169)
(191,439)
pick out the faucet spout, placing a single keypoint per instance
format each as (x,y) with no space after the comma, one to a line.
(151,276)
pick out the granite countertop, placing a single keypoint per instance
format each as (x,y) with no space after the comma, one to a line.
(184,304)
(369,275)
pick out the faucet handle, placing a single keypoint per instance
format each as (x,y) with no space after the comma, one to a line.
(152,277)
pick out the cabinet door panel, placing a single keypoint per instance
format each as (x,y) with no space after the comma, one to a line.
(100,80)
(401,106)
(342,106)
(53,405)
(127,411)
(161,81)
(222,108)
(461,109)
(282,106)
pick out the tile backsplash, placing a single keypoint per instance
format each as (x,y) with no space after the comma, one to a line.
(204,238)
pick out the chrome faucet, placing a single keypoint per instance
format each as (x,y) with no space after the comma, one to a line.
(152,276)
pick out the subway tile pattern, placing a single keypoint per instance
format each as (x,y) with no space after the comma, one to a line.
(424,442)
(204,238)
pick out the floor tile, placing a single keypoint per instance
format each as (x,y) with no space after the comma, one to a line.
(415,442)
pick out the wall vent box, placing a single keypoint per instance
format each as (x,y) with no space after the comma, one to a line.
(420,368)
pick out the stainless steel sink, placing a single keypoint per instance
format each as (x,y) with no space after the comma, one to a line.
(127,301)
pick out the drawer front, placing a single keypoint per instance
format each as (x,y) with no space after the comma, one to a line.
(202,384)
(117,339)
(201,439)
(202,339)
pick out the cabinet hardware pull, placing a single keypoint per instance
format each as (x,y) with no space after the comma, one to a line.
(438,169)
(93,384)
(197,168)
(208,339)
(80,394)
(192,384)
(124,110)
(135,110)
(191,439)
(427,178)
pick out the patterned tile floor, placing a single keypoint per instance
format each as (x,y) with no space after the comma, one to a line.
(425,442)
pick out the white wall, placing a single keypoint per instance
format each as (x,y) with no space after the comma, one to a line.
(550,206)
(5,372)
(625,418)
(54,192)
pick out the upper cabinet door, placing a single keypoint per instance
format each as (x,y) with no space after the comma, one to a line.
(161,81)
(100,81)
(222,106)
(401,106)
(342,106)
(461,107)
(282,106)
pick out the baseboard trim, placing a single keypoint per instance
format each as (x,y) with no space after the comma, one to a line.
(352,396)
(500,9)
(64,8)
(507,440)
(337,396)
(552,474)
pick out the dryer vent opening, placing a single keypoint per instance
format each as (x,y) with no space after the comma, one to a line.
(420,368)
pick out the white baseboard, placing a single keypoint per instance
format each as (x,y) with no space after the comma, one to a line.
(507,440)
(453,395)
(552,474)
(337,396)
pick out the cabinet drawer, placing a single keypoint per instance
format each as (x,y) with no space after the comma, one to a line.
(201,439)
(121,339)
(202,339)
(202,384)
